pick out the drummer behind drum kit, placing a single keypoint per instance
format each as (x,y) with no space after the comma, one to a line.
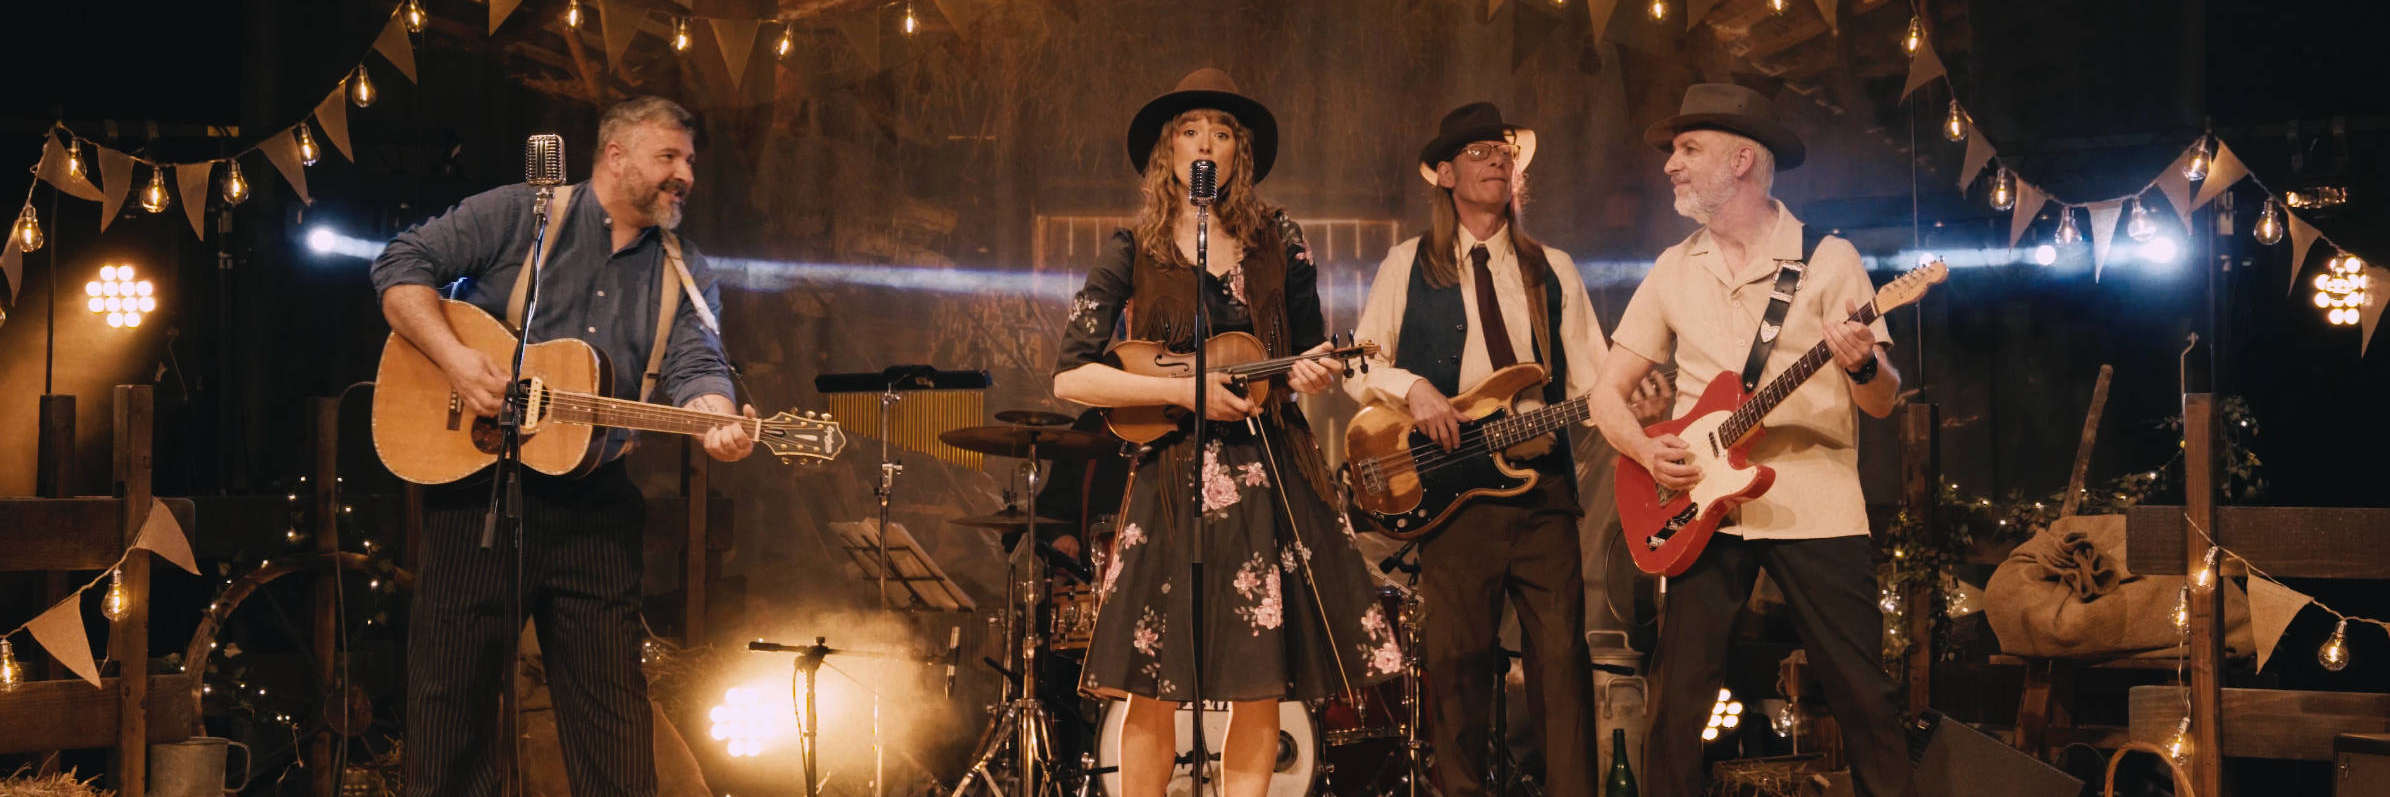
(1364,744)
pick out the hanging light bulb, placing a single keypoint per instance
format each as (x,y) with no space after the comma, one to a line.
(236,187)
(1915,37)
(787,42)
(2334,655)
(2004,190)
(27,234)
(1954,127)
(2196,170)
(153,196)
(2138,227)
(2178,746)
(11,673)
(2269,225)
(2182,610)
(2067,233)
(74,157)
(680,35)
(308,151)
(912,23)
(116,602)
(2205,579)
(1659,9)
(414,16)
(361,89)
(1777,6)
(572,14)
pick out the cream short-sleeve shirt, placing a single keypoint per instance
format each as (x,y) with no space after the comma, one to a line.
(1691,306)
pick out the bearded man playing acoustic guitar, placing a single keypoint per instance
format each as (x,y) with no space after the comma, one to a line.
(1703,303)
(610,253)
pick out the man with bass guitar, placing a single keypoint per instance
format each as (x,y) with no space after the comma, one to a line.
(1746,293)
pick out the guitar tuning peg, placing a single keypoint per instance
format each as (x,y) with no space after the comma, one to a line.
(825,416)
(808,413)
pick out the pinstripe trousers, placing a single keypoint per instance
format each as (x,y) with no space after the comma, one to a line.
(581,588)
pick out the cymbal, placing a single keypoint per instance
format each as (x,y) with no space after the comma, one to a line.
(1016,441)
(1034,418)
(1010,519)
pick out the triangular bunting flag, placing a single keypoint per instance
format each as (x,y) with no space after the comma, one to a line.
(1979,152)
(116,180)
(2302,236)
(959,14)
(2176,187)
(1529,29)
(162,534)
(394,45)
(622,22)
(11,264)
(2103,232)
(2029,201)
(2271,607)
(283,150)
(2370,316)
(1492,6)
(499,9)
(1923,68)
(736,37)
(60,631)
(1599,11)
(1697,10)
(1826,7)
(2220,175)
(862,30)
(53,171)
(192,177)
(333,116)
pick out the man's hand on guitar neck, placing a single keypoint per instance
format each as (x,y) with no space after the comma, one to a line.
(728,442)
(1432,415)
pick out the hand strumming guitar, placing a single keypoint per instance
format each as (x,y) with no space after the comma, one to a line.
(478,380)
(1432,415)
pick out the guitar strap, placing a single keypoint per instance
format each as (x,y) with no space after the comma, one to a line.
(563,203)
(1788,281)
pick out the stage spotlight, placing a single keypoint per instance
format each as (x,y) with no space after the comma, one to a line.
(121,296)
(324,240)
(2162,250)
(2045,254)
(1726,714)
(754,719)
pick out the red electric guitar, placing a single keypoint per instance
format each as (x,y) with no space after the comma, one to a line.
(1665,529)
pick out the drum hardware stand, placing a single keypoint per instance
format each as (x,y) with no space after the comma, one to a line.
(1024,714)
(807,666)
(1503,776)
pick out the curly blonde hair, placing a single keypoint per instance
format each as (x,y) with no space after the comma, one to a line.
(1239,212)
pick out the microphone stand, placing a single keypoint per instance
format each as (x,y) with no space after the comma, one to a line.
(506,495)
(1200,753)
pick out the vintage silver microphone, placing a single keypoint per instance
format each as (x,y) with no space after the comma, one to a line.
(543,166)
(1203,182)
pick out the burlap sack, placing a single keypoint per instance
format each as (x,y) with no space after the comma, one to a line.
(2065,593)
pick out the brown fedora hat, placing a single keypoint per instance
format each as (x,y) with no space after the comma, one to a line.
(1734,109)
(1468,124)
(1205,88)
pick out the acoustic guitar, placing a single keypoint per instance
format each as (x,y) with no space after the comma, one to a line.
(1666,529)
(1238,354)
(425,435)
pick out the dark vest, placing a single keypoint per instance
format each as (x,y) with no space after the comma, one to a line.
(1435,329)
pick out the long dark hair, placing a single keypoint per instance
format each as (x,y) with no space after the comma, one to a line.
(1444,227)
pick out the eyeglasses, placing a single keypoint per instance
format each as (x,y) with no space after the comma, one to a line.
(1484,150)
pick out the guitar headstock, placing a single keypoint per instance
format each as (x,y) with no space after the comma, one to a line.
(813,436)
(1906,289)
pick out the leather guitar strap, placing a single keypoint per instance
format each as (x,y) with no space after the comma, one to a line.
(562,203)
(1788,281)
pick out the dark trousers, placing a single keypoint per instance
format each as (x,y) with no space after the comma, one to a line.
(581,588)
(1523,548)
(1830,586)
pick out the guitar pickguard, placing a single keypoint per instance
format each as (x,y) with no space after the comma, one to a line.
(1447,478)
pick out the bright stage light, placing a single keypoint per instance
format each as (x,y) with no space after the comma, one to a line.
(327,241)
(754,719)
(2162,250)
(2045,254)
(120,296)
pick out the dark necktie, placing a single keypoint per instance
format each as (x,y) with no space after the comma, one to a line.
(1489,313)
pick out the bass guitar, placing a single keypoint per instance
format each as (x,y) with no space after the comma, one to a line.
(1238,354)
(425,435)
(1666,529)
(1409,485)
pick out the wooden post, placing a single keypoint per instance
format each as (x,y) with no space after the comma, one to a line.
(54,469)
(2091,433)
(2206,608)
(128,637)
(326,495)
(694,549)
(1921,478)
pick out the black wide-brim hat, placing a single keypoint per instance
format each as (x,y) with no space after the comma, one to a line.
(1734,109)
(1469,124)
(1205,88)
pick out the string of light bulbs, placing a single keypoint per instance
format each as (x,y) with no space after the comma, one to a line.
(113,604)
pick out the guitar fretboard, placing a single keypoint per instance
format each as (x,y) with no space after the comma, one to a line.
(1528,425)
(1757,407)
(596,410)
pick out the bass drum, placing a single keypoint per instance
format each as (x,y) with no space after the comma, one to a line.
(1298,748)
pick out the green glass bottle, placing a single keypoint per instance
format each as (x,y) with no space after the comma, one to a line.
(1621,782)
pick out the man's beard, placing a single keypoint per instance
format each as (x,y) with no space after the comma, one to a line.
(664,212)
(1705,195)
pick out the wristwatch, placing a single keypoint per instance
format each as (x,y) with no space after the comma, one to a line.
(1864,373)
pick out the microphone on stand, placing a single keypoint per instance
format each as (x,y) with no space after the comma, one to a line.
(543,160)
(1203,182)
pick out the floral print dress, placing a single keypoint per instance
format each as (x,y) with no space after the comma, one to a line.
(1289,610)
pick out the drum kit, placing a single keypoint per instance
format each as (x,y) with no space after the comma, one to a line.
(1369,743)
